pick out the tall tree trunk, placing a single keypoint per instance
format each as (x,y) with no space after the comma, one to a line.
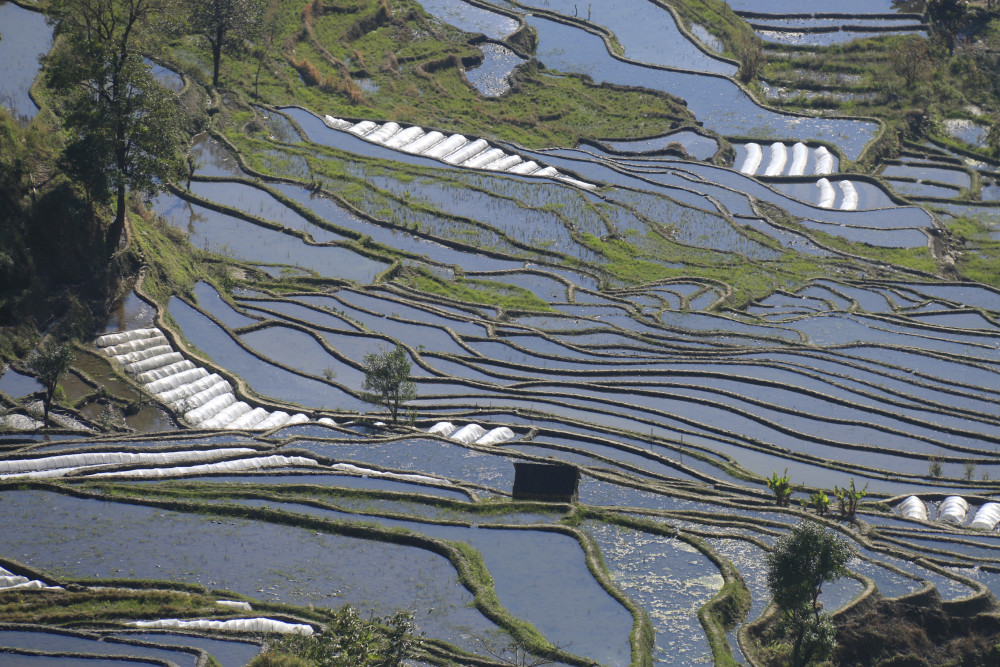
(118,226)
(217,54)
(45,408)
(256,76)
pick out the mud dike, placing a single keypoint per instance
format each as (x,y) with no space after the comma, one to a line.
(204,400)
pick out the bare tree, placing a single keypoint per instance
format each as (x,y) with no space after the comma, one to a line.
(910,59)
(506,650)
(751,56)
(265,40)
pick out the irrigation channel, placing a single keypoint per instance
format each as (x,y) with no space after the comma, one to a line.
(675,396)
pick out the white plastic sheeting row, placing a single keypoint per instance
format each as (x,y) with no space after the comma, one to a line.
(468,434)
(235,604)
(913,508)
(13,582)
(125,336)
(953,510)
(66,462)
(369,472)
(800,156)
(444,429)
(779,157)
(233,625)
(205,400)
(176,380)
(471,433)
(195,393)
(220,467)
(496,436)
(455,149)
(751,163)
(165,371)
(850,201)
(987,517)
(823,160)
(139,345)
(827,195)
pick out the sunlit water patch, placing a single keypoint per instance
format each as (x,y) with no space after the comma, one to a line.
(471,18)
(669,579)
(491,78)
(646,30)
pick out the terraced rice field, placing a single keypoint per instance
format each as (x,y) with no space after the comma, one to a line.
(635,316)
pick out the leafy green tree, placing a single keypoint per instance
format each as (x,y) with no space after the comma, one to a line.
(387,380)
(993,138)
(801,562)
(48,363)
(350,641)
(123,128)
(225,24)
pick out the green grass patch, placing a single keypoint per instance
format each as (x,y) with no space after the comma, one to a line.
(474,291)
(110,605)
(174,264)
(402,58)
(981,256)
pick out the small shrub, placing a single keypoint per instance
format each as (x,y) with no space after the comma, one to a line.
(781,488)
(848,499)
(750,53)
(350,641)
(820,501)
(309,73)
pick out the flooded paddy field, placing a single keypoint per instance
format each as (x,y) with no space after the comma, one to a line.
(675,327)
